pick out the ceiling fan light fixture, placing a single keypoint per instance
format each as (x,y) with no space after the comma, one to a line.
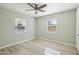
(36,7)
(36,11)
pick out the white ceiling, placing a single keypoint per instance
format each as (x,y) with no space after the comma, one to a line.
(50,9)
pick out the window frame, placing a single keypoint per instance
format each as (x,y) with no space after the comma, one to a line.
(47,25)
(25,21)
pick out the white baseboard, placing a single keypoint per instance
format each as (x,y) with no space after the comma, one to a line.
(59,42)
(19,42)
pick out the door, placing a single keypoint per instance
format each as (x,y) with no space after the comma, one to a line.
(77,30)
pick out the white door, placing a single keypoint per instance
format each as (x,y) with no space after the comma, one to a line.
(77,30)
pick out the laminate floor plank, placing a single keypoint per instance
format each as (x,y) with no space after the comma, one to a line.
(38,47)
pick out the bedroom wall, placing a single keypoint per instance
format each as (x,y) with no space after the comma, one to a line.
(7,27)
(66,28)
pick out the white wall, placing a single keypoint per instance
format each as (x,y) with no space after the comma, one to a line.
(66,28)
(7,27)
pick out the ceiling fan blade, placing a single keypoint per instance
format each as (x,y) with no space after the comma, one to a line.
(42,6)
(30,10)
(30,5)
(42,10)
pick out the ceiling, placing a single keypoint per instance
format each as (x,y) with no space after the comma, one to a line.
(50,8)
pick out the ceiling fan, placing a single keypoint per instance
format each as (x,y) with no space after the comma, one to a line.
(36,7)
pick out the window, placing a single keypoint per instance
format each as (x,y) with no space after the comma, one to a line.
(52,26)
(20,25)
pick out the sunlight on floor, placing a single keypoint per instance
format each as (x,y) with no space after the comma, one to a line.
(49,51)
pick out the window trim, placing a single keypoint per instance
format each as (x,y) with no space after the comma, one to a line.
(50,25)
(25,25)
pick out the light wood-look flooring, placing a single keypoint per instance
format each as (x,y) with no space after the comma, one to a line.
(37,47)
